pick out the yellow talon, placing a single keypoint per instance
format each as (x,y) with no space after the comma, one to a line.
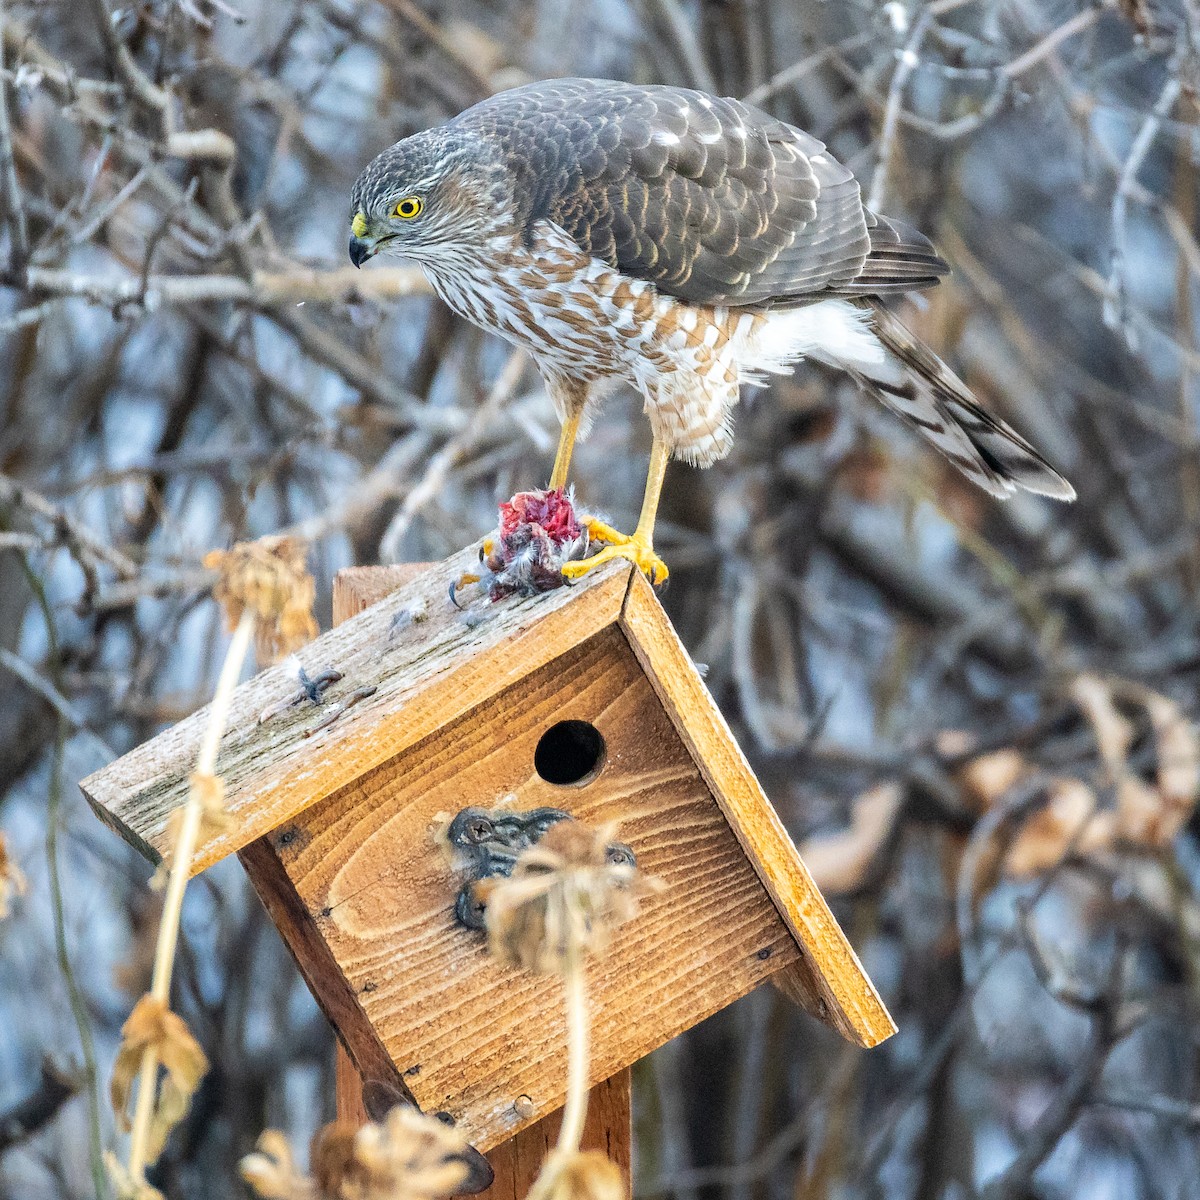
(636,549)
(598,531)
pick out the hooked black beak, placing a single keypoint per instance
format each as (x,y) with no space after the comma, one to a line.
(361,250)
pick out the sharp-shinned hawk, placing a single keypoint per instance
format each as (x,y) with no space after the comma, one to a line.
(680,243)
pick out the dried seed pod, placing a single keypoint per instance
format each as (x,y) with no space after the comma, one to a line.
(407,1154)
(271,1170)
(567,895)
(584,1175)
(152,1026)
(269,578)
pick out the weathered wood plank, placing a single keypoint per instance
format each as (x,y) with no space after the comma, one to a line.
(320,969)
(354,590)
(833,985)
(471,1037)
(436,666)
(349,1089)
(609,1129)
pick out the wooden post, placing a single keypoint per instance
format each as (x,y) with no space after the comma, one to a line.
(516,1162)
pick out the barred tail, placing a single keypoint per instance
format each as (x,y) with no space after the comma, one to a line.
(913,382)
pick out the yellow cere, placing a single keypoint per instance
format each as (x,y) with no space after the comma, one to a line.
(409,207)
(359,225)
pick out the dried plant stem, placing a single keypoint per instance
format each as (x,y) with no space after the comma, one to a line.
(575,1110)
(67,725)
(74,995)
(181,859)
(570,1133)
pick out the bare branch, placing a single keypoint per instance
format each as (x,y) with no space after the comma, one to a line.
(264,289)
(14,208)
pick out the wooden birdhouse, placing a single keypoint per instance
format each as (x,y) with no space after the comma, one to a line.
(581,700)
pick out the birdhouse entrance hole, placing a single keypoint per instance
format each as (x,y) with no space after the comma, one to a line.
(569,752)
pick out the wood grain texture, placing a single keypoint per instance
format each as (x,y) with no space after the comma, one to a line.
(355,589)
(516,1162)
(461,701)
(830,980)
(609,1129)
(432,669)
(321,971)
(470,1037)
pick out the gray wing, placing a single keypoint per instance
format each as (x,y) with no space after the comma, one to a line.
(710,199)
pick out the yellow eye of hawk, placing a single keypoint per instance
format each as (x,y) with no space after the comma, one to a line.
(408,208)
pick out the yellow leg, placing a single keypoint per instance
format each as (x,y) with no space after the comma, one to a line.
(566,445)
(638,548)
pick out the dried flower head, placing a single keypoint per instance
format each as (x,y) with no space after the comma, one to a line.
(584,1175)
(406,1156)
(272,1172)
(268,577)
(12,878)
(567,895)
(152,1026)
(332,1160)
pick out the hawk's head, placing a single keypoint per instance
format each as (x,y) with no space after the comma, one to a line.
(426,197)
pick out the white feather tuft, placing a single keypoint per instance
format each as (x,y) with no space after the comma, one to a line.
(832,332)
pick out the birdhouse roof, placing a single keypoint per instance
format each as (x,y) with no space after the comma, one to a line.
(423,661)
(412,664)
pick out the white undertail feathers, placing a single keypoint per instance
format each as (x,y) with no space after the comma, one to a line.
(865,340)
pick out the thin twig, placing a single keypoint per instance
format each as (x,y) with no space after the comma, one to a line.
(441,463)
(1116,302)
(908,60)
(1082,20)
(686,47)
(77,536)
(407,11)
(34,315)
(1064,1109)
(134,77)
(798,70)
(74,992)
(79,1009)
